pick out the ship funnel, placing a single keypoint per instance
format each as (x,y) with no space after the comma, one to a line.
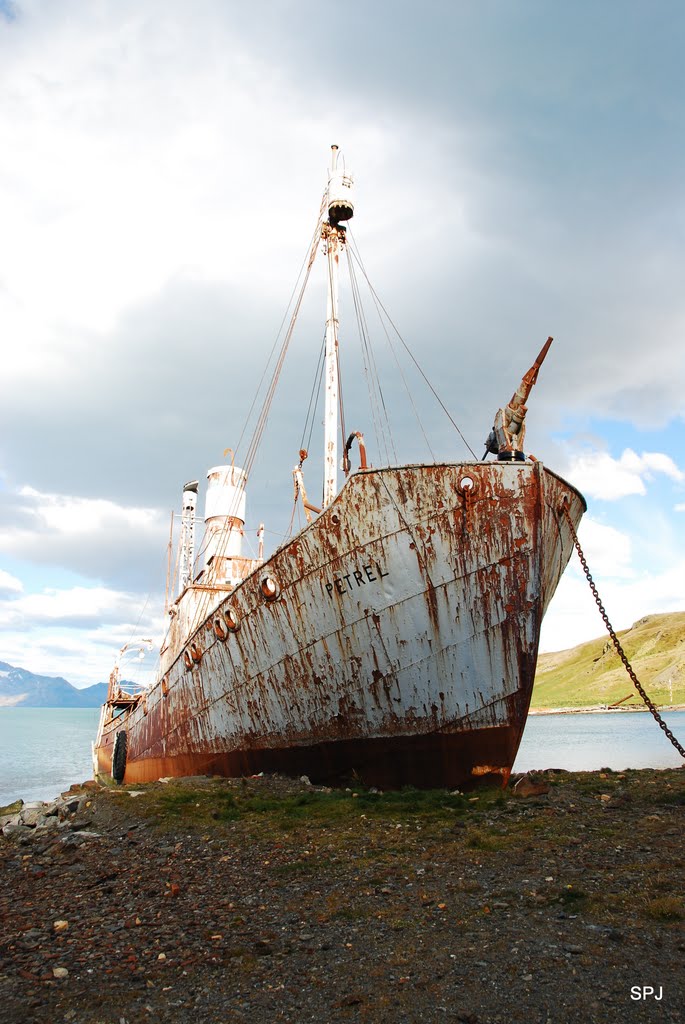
(187,547)
(224,520)
(340,192)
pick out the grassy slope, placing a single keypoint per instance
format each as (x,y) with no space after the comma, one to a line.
(592,673)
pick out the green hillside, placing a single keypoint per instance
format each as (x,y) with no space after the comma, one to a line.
(592,673)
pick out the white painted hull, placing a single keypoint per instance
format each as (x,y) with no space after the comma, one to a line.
(401,647)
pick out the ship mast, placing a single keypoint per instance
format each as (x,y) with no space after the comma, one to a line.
(340,208)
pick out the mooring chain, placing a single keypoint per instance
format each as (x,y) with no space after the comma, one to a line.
(616,642)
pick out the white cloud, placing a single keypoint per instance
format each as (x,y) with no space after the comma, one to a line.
(626,591)
(9,584)
(65,514)
(94,537)
(629,585)
(608,550)
(657,462)
(598,475)
(75,632)
(574,618)
(136,154)
(83,605)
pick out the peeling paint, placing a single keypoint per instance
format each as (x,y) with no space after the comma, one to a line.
(420,674)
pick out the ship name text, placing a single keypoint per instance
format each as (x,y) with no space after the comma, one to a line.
(349,582)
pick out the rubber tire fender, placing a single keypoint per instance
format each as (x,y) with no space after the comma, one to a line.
(119,756)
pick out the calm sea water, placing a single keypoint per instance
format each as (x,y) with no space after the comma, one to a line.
(587,742)
(43,750)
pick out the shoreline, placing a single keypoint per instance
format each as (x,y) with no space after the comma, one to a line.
(594,709)
(533,710)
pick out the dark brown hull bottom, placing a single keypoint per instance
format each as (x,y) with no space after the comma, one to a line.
(436,760)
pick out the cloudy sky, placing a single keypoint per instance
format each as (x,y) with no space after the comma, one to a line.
(520,173)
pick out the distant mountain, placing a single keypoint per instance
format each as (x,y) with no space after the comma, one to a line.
(587,675)
(19,687)
(593,673)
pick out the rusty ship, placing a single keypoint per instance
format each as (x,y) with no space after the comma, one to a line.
(392,639)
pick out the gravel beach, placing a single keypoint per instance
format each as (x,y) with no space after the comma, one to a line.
(268,899)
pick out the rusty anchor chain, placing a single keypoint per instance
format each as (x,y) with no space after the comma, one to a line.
(614,639)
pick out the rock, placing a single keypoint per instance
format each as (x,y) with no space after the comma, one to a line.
(31,814)
(60,926)
(79,838)
(17,832)
(80,826)
(47,823)
(12,808)
(527,786)
(77,787)
(60,972)
(69,806)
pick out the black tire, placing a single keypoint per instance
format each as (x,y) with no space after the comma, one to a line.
(119,757)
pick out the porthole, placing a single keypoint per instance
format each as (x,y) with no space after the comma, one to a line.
(270,589)
(220,629)
(232,621)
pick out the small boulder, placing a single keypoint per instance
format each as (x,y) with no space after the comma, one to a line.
(31,814)
(19,833)
(79,838)
(12,808)
(47,824)
(527,786)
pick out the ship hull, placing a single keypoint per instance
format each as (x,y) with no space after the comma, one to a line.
(400,648)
